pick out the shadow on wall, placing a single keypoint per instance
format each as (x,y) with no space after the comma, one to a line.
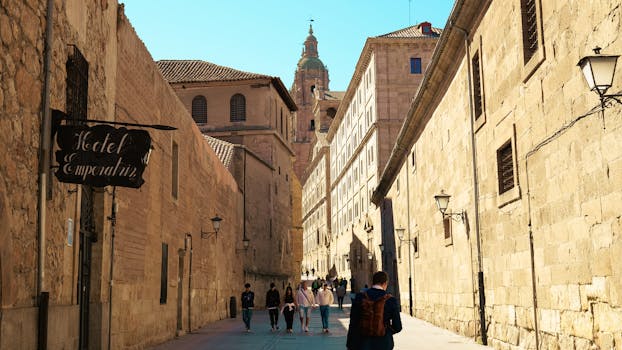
(363,263)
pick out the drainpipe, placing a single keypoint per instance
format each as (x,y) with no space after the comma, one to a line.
(189,237)
(44,171)
(531,251)
(44,147)
(113,222)
(480,272)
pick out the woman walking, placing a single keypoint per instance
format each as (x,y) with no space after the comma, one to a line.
(289,309)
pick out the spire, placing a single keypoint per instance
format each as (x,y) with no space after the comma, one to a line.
(310,44)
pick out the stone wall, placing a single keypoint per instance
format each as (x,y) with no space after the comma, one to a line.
(124,84)
(566,194)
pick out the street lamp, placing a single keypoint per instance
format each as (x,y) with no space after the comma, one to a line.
(442,201)
(370,256)
(215,224)
(598,71)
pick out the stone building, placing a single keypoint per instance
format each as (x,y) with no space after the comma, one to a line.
(529,246)
(253,111)
(366,123)
(124,278)
(315,201)
(310,74)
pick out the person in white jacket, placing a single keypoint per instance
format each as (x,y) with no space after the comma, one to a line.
(306,301)
(325,299)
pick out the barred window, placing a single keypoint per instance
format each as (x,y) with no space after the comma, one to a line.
(199,109)
(238,108)
(477,86)
(77,84)
(505,167)
(530,28)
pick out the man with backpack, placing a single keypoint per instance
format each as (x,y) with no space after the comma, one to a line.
(374,318)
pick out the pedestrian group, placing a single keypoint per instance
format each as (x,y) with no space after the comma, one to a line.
(374,317)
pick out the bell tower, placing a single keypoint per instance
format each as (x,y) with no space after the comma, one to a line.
(310,73)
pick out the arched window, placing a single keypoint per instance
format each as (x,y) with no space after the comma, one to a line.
(238,108)
(199,109)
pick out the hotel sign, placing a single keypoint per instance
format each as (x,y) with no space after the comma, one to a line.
(102,155)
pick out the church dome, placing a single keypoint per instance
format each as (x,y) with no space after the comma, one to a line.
(311,63)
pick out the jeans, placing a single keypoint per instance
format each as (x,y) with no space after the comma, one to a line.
(324,311)
(247,314)
(274,317)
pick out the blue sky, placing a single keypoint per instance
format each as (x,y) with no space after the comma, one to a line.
(266,36)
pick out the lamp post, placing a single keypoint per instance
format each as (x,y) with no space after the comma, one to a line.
(442,201)
(598,71)
(215,224)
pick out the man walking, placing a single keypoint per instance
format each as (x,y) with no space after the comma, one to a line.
(306,302)
(341,292)
(325,298)
(273,300)
(374,318)
(248,303)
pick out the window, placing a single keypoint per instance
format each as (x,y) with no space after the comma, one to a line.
(175,170)
(505,167)
(530,28)
(415,65)
(413,162)
(164,274)
(77,84)
(477,87)
(238,108)
(281,121)
(447,229)
(199,109)
(312,125)
(416,246)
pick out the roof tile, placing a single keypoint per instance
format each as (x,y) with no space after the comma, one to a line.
(186,71)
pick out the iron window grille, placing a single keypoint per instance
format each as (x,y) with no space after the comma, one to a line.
(238,108)
(477,86)
(530,28)
(77,84)
(505,167)
(199,109)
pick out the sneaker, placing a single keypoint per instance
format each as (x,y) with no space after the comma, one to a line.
(277,328)
(306,329)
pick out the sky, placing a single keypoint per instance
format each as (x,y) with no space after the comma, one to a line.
(267,36)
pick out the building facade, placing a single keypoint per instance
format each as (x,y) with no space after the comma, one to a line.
(529,246)
(387,75)
(310,74)
(94,267)
(315,198)
(253,111)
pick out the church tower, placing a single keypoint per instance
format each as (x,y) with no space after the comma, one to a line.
(310,74)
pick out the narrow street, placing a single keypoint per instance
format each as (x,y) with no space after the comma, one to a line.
(229,335)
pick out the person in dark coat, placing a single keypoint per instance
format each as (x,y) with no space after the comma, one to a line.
(273,301)
(248,303)
(356,340)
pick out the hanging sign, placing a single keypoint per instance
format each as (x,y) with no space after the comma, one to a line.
(102,155)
